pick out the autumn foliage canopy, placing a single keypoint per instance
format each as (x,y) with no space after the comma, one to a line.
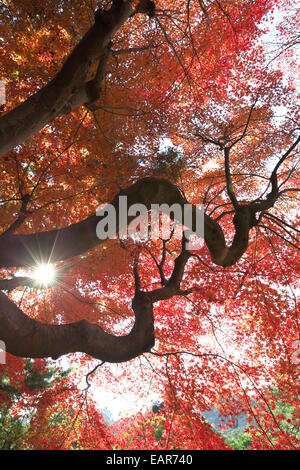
(163,102)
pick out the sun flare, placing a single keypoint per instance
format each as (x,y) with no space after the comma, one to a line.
(44,274)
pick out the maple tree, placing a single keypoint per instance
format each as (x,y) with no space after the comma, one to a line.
(168,430)
(93,95)
(42,408)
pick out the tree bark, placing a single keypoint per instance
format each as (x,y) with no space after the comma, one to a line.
(68,89)
(26,337)
(56,245)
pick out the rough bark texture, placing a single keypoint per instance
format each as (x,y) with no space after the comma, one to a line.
(26,337)
(69,88)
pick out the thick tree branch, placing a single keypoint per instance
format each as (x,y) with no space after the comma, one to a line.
(55,245)
(26,337)
(18,281)
(68,89)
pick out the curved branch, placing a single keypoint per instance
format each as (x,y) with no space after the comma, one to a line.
(68,89)
(26,337)
(55,245)
(25,250)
